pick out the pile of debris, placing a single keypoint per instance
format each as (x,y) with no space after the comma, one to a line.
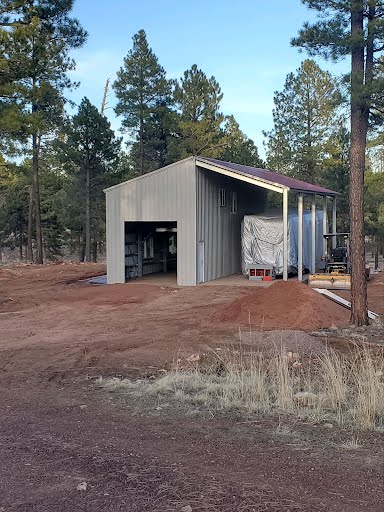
(284,305)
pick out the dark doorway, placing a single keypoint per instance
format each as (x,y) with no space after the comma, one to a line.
(150,248)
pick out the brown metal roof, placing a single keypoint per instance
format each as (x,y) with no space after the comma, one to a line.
(273,177)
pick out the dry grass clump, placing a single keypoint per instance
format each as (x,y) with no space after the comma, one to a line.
(351,444)
(347,389)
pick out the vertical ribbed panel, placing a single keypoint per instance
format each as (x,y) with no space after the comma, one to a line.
(168,194)
(190,196)
(217,227)
(115,238)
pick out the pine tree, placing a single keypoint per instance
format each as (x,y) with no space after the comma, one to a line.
(35,40)
(11,121)
(89,153)
(143,93)
(238,147)
(303,119)
(198,100)
(158,140)
(335,173)
(374,209)
(52,183)
(13,205)
(355,28)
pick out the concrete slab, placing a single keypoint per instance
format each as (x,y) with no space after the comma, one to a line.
(237,280)
(168,280)
(241,280)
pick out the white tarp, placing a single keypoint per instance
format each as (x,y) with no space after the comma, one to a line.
(262,240)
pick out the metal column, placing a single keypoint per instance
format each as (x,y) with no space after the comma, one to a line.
(324,224)
(334,226)
(313,232)
(285,235)
(300,237)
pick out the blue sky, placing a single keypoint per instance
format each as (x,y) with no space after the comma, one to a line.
(244,44)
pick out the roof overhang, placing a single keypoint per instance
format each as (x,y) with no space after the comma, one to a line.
(331,193)
(269,185)
(259,181)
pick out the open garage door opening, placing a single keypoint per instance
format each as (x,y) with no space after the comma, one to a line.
(150,249)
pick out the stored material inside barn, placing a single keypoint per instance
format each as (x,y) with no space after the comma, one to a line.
(150,248)
(186,219)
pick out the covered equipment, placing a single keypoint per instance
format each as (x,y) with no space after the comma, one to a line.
(262,240)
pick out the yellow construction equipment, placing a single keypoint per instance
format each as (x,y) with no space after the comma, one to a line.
(337,267)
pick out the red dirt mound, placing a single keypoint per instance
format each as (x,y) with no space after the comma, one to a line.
(284,305)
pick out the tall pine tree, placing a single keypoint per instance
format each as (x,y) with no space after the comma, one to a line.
(36,38)
(303,119)
(89,153)
(143,93)
(198,100)
(237,147)
(13,206)
(374,209)
(353,28)
(335,172)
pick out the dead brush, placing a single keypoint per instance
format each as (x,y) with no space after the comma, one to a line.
(368,387)
(281,376)
(334,371)
(345,389)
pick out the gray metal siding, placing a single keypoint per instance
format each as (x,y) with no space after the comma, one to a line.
(219,229)
(165,195)
(115,238)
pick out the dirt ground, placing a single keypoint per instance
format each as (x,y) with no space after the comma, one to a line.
(58,430)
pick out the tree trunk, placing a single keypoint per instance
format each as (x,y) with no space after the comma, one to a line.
(36,190)
(30,222)
(376,253)
(81,249)
(87,216)
(94,252)
(104,102)
(141,146)
(21,243)
(359,308)
(309,164)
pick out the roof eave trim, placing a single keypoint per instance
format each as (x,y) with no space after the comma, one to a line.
(311,192)
(253,180)
(276,187)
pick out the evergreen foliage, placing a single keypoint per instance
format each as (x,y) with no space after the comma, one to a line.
(89,154)
(355,28)
(35,40)
(374,206)
(144,93)
(237,147)
(53,201)
(335,173)
(197,99)
(303,119)
(14,190)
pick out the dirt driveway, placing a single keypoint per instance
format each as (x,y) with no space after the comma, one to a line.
(66,445)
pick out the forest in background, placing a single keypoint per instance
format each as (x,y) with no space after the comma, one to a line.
(54,166)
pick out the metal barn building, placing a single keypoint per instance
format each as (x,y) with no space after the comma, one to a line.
(186,217)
